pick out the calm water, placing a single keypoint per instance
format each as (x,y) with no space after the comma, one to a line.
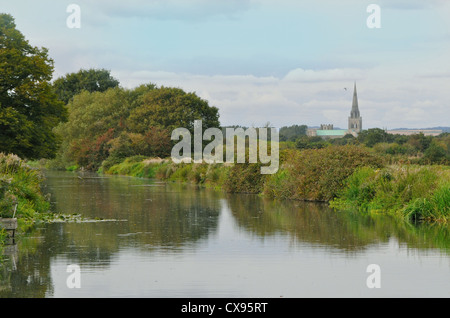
(149,239)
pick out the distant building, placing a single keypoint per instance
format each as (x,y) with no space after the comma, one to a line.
(354,124)
(407,132)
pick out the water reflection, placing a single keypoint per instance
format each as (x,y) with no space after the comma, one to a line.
(152,219)
(318,224)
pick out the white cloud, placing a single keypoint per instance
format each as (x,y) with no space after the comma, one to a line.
(314,97)
(332,75)
(401,84)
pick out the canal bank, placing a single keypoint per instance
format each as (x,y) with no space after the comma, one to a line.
(346,177)
(22,201)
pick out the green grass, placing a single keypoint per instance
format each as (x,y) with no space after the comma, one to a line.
(436,207)
(20,192)
(317,174)
(347,177)
(135,167)
(416,193)
(208,175)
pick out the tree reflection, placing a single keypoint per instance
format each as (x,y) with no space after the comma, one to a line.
(316,223)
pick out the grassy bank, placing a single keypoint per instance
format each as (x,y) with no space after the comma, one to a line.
(202,174)
(314,174)
(348,177)
(416,193)
(20,192)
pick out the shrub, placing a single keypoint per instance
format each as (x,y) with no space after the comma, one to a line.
(20,190)
(436,207)
(414,192)
(318,174)
(245,178)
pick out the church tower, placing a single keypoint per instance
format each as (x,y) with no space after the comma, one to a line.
(355,120)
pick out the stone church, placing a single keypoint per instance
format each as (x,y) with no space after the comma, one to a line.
(354,124)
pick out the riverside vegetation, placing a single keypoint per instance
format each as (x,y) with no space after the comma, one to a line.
(21,195)
(347,177)
(127,132)
(86,121)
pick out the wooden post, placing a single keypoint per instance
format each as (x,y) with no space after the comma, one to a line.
(9,224)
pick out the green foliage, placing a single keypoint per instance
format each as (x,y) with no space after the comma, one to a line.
(134,166)
(348,139)
(92,80)
(72,168)
(20,191)
(395,148)
(245,178)
(292,133)
(277,185)
(420,141)
(436,154)
(436,207)
(414,192)
(306,142)
(153,143)
(208,175)
(318,174)
(414,149)
(171,108)
(373,136)
(106,127)
(29,107)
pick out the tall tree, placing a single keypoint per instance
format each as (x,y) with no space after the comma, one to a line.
(29,107)
(171,108)
(292,133)
(121,122)
(92,80)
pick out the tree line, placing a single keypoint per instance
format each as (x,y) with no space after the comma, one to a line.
(426,149)
(86,119)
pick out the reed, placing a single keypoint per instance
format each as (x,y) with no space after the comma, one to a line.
(416,193)
(20,191)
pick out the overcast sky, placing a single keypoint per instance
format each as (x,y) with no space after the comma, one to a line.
(285,62)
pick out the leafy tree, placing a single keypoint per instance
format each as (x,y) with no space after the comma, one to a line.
(154,143)
(171,108)
(91,116)
(314,142)
(293,132)
(92,80)
(373,136)
(118,123)
(435,153)
(89,153)
(29,107)
(420,141)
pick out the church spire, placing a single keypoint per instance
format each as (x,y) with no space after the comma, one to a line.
(355,110)
(355,120)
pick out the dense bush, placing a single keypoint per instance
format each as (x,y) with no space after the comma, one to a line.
(106,127)
(20,190)
(318,174)
(245,178)
(135,167)
(414,192)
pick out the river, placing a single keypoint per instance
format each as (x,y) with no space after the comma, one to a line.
(145,238)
